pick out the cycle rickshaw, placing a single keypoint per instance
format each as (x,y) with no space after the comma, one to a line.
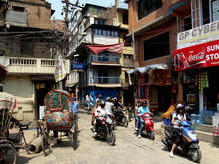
(57,118)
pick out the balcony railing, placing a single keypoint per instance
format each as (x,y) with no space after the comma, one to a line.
(34,65)
(106,80)
(16,18)
(105,59)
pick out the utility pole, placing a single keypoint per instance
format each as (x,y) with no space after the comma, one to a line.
(66,13)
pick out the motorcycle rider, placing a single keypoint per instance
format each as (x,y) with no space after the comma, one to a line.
(100,113)
(177,117)
(99,99)
(109,106)
(141,111)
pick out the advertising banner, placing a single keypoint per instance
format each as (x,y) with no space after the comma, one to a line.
(199,35)
(59,68)
(202,55)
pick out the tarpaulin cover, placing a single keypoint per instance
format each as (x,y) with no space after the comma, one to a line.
(147,68)
(96,49)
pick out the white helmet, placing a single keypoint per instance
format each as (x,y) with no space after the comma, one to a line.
(179,105)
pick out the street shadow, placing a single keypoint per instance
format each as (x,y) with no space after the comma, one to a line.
(66,143)
(22,159)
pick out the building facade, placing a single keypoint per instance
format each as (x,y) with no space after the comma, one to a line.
(104,72)
(27,37)
(153,27)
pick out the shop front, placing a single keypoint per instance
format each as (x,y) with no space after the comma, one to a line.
(200,67)
(154,83)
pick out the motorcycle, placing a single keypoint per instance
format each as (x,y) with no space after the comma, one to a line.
(188,143)
(104,129)
(148,125)
(120,117)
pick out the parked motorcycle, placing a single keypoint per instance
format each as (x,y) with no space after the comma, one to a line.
(188,143)
(104,129)
(148,125)
(120,117)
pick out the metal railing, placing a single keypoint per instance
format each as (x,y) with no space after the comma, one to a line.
(107,80)
(105,59)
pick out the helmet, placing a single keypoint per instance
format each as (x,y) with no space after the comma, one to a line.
(108,99)
(144,102)
(102,104)
(99,96)
(179,106)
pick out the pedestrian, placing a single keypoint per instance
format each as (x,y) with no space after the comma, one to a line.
(75,108)
(89,100)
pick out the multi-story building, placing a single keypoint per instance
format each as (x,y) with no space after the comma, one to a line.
(26,45)
(190,27)
(197,55)
(104,72)
(153,27)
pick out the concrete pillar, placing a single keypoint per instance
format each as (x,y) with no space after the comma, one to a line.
(180,87)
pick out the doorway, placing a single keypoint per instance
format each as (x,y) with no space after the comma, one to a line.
(41,89)
(164,98)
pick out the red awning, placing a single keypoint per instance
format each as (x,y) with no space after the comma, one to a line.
(96,49)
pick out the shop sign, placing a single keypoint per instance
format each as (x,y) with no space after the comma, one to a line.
(78,66)
(202,55)
(199,35)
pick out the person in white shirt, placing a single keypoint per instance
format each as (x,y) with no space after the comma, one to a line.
(109,106)
(177,117)
(89,101)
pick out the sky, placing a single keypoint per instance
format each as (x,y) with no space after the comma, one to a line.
(57,5)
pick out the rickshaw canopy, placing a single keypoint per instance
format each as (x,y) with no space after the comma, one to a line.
(56,100)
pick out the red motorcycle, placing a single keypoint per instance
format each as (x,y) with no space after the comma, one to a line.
(148,125)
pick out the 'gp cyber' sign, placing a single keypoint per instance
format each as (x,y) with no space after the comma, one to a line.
(199,35)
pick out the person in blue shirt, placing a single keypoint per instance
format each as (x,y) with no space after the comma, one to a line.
(142,110)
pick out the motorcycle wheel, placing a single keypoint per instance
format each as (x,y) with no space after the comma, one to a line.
(152,136)
(111,138)
(196,155)
(9,152)
(125,122)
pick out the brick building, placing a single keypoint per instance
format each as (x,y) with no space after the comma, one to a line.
(27,38)
(153,28)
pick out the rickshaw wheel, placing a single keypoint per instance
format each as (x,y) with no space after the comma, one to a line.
(8,154)
(46,143)
(74,136)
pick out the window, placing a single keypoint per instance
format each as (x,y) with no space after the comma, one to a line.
(187,23)
(205,12)
(157,46)
(125,18)
(26,48)
(18,9)
(215,10)
(100,21)
(146,7)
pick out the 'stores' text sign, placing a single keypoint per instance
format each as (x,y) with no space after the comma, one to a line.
(202,55)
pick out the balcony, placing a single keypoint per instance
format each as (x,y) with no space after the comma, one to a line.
(33,66)
(112,60)
(103,81)
(16,18)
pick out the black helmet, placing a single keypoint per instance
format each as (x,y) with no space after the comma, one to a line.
(102,104)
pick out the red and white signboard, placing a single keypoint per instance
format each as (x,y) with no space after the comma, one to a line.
(198,56)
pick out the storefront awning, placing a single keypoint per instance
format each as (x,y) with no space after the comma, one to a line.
(147,68)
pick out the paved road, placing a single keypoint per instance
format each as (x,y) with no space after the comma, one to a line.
(128,150)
